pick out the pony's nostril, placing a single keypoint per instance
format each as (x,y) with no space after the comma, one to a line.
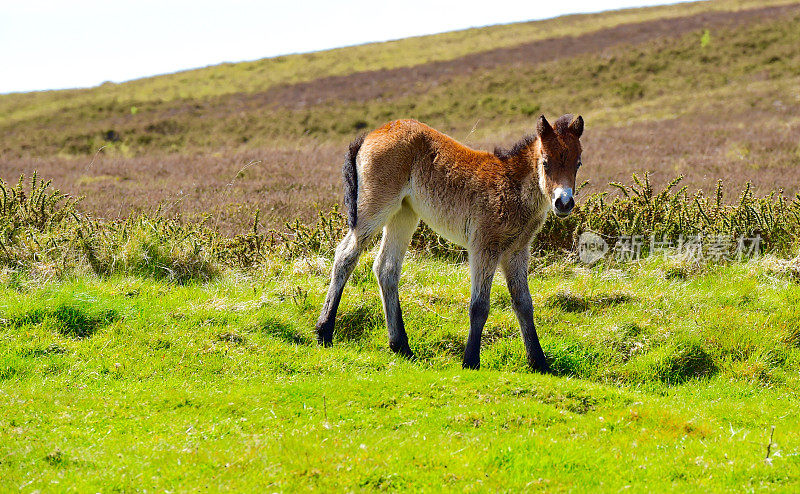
(564,208)
(559,204)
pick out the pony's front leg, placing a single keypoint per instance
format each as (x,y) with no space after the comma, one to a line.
(515,267)
(482,264)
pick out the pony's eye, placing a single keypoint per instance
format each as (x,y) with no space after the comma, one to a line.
(546,165)
(579,164)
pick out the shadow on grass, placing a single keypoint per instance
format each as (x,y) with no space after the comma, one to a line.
(627,341)
(231,337)
(70,319)
(498,332)
(283,331)
(569,302)
(684,362)
(356,324)
(793,338)
(575,401)
(51,349)
(450,344)
(671,364)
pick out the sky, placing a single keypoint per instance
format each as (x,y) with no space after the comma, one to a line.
(55,44)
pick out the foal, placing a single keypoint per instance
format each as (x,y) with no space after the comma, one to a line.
(491,204)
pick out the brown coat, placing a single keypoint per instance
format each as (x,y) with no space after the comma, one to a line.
(490,203)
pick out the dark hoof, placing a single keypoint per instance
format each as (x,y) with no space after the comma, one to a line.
(541,367)
(324,338)
(403,351)
(471,365)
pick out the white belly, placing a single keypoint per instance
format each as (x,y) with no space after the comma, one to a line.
(451,223)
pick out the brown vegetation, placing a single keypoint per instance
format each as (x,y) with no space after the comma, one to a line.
(653,98)
(296,183)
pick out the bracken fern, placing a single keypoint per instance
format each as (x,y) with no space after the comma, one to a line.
(41,230)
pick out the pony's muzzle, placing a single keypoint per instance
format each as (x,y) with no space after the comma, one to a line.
(563,202)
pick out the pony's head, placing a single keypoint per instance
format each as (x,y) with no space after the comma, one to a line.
(559,157)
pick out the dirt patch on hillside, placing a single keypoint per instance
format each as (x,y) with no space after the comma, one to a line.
(390,83)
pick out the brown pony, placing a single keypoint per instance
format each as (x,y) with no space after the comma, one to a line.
(490,203)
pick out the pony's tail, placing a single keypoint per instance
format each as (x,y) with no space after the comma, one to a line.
(350,177)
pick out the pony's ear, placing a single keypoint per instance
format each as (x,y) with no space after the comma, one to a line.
(576,127)
(543,127)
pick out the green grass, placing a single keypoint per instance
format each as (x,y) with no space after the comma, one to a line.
(661,383)
(155,354)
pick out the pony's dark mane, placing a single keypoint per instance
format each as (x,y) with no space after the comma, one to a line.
(516,149)
(561,127)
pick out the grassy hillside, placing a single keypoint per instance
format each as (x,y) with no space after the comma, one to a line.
(152,355)
(597,74)
(660,96)
(263,74)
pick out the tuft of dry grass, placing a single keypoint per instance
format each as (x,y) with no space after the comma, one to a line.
(788,268)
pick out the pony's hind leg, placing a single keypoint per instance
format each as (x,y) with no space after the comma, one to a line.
(388,263)
(347,254)
(371,217)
